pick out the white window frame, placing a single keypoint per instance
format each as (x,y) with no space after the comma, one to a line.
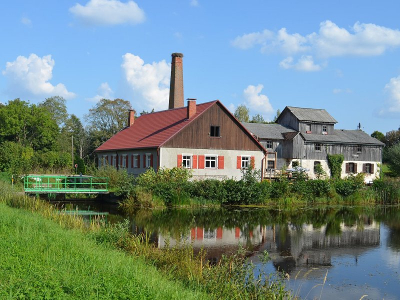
(148,160)
(209,234)
(325,128)
(136,158)
(187,161)
(114,160)
(210,158)
(270,144)
(124,165)
(308,127)
(245,161)
(104,160)
(268,161)
(318,147)
(368,168)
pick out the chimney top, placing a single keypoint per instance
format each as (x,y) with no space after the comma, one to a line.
(177,55)
(131,117)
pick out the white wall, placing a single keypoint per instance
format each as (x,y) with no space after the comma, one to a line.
(168,159)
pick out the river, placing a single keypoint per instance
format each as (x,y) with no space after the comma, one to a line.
(325,253)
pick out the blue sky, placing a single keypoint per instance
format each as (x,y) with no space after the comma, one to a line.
(343,56)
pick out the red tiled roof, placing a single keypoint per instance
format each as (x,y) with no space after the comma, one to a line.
(154,129)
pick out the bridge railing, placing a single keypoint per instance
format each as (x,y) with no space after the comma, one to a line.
(65,184)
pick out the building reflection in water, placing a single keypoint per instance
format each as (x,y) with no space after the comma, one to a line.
(289,246)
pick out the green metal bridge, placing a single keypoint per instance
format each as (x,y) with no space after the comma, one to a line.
(65,184)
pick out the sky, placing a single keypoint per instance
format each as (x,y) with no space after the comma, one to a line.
(342,56)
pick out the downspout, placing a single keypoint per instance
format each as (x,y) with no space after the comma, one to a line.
(158,158)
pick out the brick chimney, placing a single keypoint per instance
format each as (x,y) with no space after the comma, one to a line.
(191,108)
(176,87)
(131,117)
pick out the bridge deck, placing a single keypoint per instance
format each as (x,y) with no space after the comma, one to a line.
(65,184)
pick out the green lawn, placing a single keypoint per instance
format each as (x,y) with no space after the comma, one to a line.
(40,260)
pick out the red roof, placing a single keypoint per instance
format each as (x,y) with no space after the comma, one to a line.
(154,129)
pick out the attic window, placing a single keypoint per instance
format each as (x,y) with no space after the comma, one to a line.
(317,147)
(324,129)
(359,148)
(214,131)
(269,144)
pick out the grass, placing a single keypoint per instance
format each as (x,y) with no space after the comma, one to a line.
(41,260)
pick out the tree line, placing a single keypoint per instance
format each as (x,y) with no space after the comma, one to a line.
(44,138)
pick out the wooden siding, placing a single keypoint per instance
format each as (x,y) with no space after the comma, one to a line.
(293,148)
(316,128)
(368,153)
(197,134)
(289,120)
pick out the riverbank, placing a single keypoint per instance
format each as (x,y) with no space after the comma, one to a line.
(42,260)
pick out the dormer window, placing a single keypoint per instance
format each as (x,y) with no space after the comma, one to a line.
(214,131)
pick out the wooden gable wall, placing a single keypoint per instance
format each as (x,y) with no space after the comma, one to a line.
(197,134)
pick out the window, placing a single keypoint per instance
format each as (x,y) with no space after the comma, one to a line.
(317,166)
(148,161)
(211,161)
(318,147)
(245,162)
(308,128)
(136,161)
(104,160)
(270,144)
(214,131)
(369,168)
(209,234)
(359,148)
(324,129)
(124,164)
(114,161)
(187,161)
(351,168)
(271,164)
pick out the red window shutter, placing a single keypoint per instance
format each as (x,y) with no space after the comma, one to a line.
(364,168)
(120,160)
(193,233)
(219,233)
(252,161)
(179,163)
(144,160)
(372,169)
(220,162)
(127,161)
(138,161)
(151,160)
(201,161)
(199,233)
(347,168)
(237,232)
(194,162)
(131,161)
(355,168)
(239,162)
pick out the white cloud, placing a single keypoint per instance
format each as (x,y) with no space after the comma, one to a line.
(108,12)
(148,83)
(103,92)
(30,76)
(250,40)
(305,64)
(393,88)
(331,40)
(26,21)
(257,102)
(194,3)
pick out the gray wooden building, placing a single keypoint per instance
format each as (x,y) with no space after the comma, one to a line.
(306,136)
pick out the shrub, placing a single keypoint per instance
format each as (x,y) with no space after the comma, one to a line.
(335,164)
